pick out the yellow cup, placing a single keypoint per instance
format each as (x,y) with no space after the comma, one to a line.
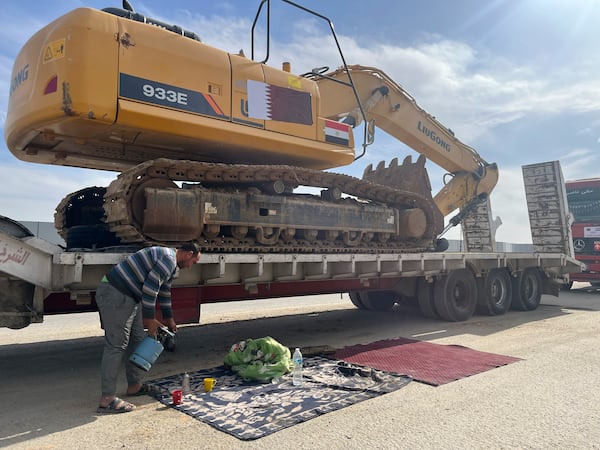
(209,384)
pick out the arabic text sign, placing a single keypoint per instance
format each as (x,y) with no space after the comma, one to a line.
(13,254)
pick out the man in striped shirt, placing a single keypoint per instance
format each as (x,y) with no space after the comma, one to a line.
(127,299)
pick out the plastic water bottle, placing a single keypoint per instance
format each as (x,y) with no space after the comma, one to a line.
(185,384)
(297,373)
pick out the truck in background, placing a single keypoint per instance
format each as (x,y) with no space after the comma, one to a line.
(583,197)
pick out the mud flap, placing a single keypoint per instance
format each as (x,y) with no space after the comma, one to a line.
(16,303)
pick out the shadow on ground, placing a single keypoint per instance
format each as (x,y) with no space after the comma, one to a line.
(65,373)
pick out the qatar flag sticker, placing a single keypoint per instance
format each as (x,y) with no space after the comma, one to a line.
(337,133)
(269,102)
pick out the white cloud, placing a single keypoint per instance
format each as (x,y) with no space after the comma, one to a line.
(467,91)
(31,192)
(576,163)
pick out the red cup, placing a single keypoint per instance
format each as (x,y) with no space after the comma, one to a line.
(177,396)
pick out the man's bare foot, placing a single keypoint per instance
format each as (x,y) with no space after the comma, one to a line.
(133,389)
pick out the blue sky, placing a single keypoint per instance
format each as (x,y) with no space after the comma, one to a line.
(515,79)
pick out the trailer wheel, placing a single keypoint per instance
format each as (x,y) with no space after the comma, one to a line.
(376,300)
(456,295)
(494,292)
(527,290)
(426,299)
(355,299)
(379,300)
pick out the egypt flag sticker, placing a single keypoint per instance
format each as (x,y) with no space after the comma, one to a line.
(269,102)
(337,133)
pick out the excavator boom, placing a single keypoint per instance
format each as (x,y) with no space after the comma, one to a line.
(397,113)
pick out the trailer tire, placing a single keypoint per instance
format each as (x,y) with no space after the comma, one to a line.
(426,299)
(527,290)
(377,300)
(355,299)
(456,295)
(494,292)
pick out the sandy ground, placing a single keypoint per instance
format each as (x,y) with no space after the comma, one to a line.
(50,381)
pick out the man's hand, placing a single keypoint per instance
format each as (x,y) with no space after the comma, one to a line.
(170,323)
(152,326)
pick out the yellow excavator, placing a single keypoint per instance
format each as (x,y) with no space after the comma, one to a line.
(212,146)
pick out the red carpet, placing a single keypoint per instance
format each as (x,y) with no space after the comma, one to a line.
(428,363)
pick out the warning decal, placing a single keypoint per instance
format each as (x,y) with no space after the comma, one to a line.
(54,50)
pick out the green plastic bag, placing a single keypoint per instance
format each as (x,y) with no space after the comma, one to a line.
(259,359)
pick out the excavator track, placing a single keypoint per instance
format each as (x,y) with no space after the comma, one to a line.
(124,212)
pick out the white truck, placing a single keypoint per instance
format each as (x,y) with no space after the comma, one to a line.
(37,277)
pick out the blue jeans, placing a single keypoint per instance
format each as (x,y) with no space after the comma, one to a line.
(123,330)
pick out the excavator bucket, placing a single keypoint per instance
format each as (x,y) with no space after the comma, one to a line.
(408,176)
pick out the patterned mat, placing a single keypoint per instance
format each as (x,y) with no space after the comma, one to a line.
(250,410)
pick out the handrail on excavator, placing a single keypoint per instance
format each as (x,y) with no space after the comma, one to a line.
(369,127)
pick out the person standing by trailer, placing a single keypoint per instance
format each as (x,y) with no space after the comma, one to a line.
(127,297)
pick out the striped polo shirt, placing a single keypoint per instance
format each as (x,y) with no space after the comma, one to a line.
(146,276)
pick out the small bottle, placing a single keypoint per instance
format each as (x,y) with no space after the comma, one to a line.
(185,384)
(297,373)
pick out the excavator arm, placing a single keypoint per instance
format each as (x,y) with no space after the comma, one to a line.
(397,113)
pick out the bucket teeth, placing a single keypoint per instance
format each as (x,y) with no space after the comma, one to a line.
(407,176)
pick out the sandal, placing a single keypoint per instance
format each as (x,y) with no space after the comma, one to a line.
(117,406)
(144,390)
(351,369)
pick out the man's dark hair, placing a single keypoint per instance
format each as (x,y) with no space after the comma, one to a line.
(190,247)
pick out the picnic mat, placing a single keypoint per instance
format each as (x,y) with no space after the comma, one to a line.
(250,410)
(428,363)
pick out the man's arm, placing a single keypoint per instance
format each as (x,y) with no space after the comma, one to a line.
(155,285)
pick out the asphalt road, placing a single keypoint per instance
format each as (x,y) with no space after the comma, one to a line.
(50,381)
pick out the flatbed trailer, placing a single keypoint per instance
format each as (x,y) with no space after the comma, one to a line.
(38,278)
